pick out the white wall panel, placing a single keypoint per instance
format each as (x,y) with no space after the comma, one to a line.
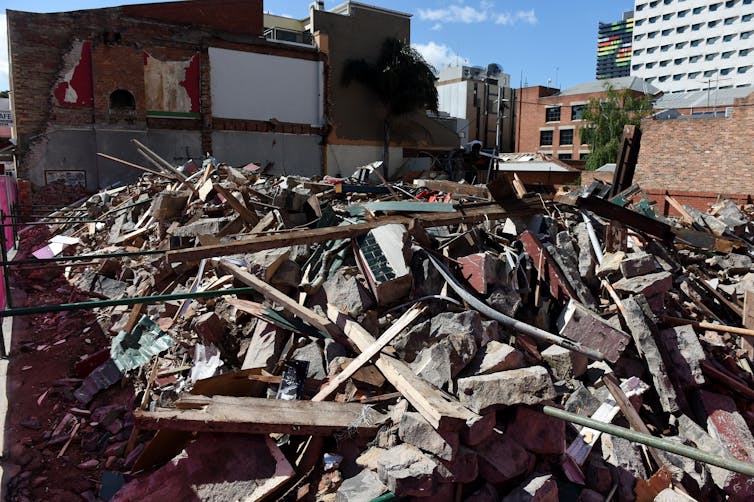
(252,86)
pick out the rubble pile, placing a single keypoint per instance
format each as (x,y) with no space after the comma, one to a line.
(354,339)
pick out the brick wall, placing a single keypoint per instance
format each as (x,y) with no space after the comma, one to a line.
(699,155)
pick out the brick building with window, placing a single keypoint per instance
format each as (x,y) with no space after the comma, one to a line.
(550,121)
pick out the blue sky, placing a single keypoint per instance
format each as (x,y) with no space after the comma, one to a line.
(533,40)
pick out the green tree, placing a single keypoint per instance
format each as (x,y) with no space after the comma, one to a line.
(4,94)
(605,118)
(401,82)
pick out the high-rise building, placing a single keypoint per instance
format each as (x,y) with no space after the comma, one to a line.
(614,47)
(691,45)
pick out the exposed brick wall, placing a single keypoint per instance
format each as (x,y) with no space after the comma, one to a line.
(42,47)
(706,155)
(699,200)
(531,103)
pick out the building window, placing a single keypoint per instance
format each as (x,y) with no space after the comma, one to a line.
(652,34)
(696,27)
(640,7)
(679,61)
(693,75)
(664,63)
(712,24)
(665,17)
(566,137)
(694,59)
(714,7)
(638,52)
(729,37)
(577,112)
(710,57)
(584,156)
(665,48)
(545,138)
(654,19)
(651,50)
(697,10)
(710,73)
(552,114)
(744,52)
(678,76)
(565,156)
(743,69)
(639,22)
(680,45)
(663,78)
(695,43)
(666,32)
(746,17)
(682,13)
(731,20)
(712,40)
(730,3)
(727,54)
(651,65)
(745,35)
(122,100)
(681,29)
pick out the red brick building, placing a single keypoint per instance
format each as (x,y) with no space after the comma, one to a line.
(698,158)
(549,120)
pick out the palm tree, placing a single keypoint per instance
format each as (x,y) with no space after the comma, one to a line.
(401,81)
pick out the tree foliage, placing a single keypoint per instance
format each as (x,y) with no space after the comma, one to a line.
(605,118)
(4,94)
(400,81)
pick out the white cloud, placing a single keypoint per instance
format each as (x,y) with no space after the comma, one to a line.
(440,55)
(4,66)
(467,14)
(436,26)
(454,14)
(523,16)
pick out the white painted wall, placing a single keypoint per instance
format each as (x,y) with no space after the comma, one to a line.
(291,153)
(252,86)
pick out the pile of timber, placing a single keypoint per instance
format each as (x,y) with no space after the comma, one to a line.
(354,339)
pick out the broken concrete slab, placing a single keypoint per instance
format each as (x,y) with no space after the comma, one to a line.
(506,388)
(346,292)
(685,354)
(313,355)
(264,349)
(264,264)
(642,330)
(610,264)
(580,324)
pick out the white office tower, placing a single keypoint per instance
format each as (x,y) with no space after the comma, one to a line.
(693,45)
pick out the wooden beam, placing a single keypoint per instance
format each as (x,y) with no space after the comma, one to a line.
(606,209)
(722,328)
(371,351)
(251,415)
(273,294)
(311,236)
(442,411)
(687,218)
(136,166)
(250,217)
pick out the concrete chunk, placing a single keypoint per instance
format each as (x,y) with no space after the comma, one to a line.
(366,485)
(565,364)
(406,471)
(685,354)
(418,432)
(648,285)
(494,357)
(442,362)
(506,388)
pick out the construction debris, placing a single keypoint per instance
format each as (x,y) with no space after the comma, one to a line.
(325,339)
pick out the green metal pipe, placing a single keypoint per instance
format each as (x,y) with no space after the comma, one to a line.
(654,442)
(384,497)
(43,309)
(84,257)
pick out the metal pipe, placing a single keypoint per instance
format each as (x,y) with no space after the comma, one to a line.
(655,442)
(83,257)
(43,309)
(509,322)
(593,237)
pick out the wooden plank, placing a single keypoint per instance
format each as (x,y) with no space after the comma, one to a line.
(271,293)
(250,217)
(136,166)
(371,351)
(262,242)
(747,342)
(687,218)
(454,187)
(628,217)
(251,415)
(628,156)
(443,412)
(630,413)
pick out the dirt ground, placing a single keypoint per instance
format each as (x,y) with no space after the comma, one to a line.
(51,455)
